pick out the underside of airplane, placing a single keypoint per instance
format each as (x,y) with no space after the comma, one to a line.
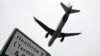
(51,31)
(57,33)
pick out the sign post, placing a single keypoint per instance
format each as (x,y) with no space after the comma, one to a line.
(19,44)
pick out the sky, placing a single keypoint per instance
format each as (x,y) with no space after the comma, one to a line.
(19,14)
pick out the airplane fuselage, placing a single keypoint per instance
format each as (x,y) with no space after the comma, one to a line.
(57,33)
(59,29)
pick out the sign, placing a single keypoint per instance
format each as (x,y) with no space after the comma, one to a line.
(20,45)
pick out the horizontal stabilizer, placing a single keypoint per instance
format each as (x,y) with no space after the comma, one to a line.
(74,11)
(66,8)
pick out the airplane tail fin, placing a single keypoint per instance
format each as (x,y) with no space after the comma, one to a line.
(66,8)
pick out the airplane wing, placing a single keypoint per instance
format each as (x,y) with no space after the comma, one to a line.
(44,26)
(68,34)
(52,31)
(66,8)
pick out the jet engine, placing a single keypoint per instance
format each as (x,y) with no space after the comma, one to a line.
(62,39)
(47,34)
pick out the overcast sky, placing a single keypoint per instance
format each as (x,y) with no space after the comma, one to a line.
(19,14)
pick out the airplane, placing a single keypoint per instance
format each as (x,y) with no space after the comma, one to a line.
(57,33)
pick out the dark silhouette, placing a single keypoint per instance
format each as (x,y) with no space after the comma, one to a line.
(58,33)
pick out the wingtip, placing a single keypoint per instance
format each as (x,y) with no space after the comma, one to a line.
(61,3)
(34,18)
(78,10)
(79,33)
